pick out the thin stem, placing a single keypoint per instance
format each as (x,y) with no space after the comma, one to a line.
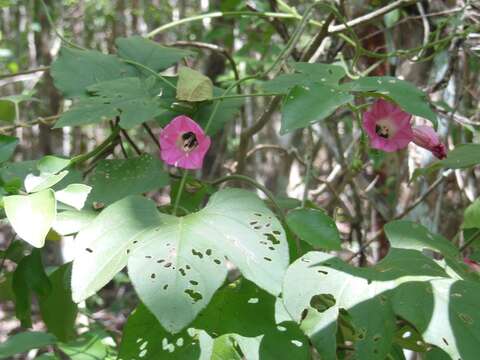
(131,142)
(235,96)
(309,162)
(153,72)
(179,192)
(99,149)
(25,72)
(470,240)
(226,13)
(50,21)
(152,135)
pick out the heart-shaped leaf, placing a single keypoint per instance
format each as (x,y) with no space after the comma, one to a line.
(193,86)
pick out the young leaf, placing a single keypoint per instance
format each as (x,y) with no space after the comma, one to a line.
(24,342)
(93,344)
(115,179)
(75,70)
(74,195)
(71,221)
(314,227)
(132,99)
(34,183)
(307,104)
(193,86)
(39,208)
(149,53)
(52,164)
(471,218)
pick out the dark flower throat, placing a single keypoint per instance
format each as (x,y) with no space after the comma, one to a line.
(190,141)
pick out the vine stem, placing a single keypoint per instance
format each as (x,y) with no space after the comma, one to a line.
(309,162)
(131,62)
(227,13)
(235,96)
(179,192)
(82,158)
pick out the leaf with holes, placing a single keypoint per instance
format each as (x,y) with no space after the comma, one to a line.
(307,104)
(133,100)
(318,285)
(193,85)
(118,178)
(405,94)
(149,53)
(187,266)
(95,68)
(40,210)
(102,248)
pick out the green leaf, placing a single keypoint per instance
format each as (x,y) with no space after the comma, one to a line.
(91,345)
(7,111)
(24,342)
(471,218)
(405,94)
(141,336)
(193,85)
(74,195)
(132,99)
(314,227)
(71,221)
(306,75)
(224,348)
(115,179)
(52,164)
(176,264)
(445,312)
(57,308)
(149,53)
(34,183)
(39,208)
(102,247)
(235,224)
(17,171)
(75,70)
(305,105)
(7,147)
(409,235)
(362,292)
(29,276)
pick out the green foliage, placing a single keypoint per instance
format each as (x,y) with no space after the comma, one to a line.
(115,179)
(193,86)
(170,276)
(131,99)
(7,147)
(56,307)
(39,208)
(148,53)
(314,227)
(25,341)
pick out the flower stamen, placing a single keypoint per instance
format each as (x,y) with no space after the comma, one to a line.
(190,141)
(382,131)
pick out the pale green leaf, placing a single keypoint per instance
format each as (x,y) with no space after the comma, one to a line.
(34,183)
(471,218)
(72,221)
(193,85)
(31,216)
(74,195)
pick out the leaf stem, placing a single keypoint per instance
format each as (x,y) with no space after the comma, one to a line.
(82,158)
(179,192)
(150,70)
(235,96)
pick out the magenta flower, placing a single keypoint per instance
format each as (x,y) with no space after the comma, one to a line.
(473,265)
(387,126)
(427,138)
(183,143)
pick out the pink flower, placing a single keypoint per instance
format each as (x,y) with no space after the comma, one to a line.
(473,265)
(387,126)
(427,138)
(183,143)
